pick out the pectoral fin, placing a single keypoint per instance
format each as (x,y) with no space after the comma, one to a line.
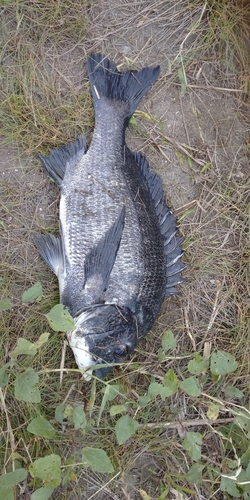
(100,260)
(50,249)
(63,157)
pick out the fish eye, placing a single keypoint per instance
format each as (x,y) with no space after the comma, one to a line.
(121,351)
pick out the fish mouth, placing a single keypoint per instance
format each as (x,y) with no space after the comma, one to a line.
(94,330)
(87,362)
(83,357)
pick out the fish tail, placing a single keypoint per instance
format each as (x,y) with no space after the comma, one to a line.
(129,87)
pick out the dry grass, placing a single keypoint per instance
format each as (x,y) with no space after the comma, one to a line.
(197,141)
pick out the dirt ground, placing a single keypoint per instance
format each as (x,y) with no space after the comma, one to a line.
(203,123)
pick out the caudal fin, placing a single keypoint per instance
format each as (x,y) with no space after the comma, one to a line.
(129,87)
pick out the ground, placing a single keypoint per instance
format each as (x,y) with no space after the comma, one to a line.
(192,129)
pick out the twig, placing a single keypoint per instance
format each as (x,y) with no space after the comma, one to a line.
(68,393)
(188,329)
(211,87)
(191,30)
(181,210)
(105,485)
(215,308)
(9,428)
(187,423)
(202,163)
(64,347)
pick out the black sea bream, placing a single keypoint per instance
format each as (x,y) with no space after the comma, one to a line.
(119,253)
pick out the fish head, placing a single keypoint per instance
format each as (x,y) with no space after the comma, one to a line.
(104,334)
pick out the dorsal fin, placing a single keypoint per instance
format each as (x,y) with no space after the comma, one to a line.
(168,228)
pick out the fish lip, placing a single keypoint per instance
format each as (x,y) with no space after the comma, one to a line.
(83,357)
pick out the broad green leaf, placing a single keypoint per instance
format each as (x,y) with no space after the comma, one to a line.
(7,493)
(244,423)
(248,471)
(5,304)
(170,382)
(168,341)
(97,459)
(42,493)
(43,338)
(10,479)
(4,376)
(228,485)
(41,427)
(192,443)
(233,392)
(23,347)
(222,363)
(125,427)
(60,319)
(154,389)
(161,354)
(244,476)
(115,409)
(47,469)
(26,347)
(59,414)
(143,400)
(194,474)
(245,458)
(33,293)
(170,386)
(191,386)
(198,365)
(79,418)
(110,393)
(213,411)
(25,387)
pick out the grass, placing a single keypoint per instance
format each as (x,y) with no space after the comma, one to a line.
(203,51)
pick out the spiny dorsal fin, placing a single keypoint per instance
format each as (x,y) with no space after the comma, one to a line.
(167,222)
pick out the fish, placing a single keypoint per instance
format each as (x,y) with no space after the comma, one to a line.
(119,251)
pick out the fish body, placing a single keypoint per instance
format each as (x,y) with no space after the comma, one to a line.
(119,253)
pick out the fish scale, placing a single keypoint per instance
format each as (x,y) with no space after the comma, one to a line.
(119,252)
